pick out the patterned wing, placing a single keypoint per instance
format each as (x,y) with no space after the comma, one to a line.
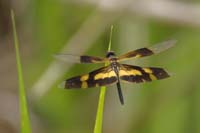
(100,77)
(80,59)
(142,52)
(138,74)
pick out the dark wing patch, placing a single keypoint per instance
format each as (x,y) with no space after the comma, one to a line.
(92,59)
(136,54)
(138,74)
(155,49)
(80,59)
(100,77)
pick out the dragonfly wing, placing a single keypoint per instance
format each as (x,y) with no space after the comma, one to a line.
(100,77)
(138,74)
(80,59)
(143,52)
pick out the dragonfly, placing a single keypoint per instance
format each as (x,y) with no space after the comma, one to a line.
(115,72)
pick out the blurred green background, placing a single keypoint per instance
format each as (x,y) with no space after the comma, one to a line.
(47,27)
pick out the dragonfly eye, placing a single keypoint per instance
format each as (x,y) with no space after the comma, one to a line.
(110,54)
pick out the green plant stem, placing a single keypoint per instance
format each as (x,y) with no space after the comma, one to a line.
(99,116)
(25,125)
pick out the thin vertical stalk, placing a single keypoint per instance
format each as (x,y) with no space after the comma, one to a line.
(25,124)
(99,115)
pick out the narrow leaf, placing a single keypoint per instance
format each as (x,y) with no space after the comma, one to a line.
(99,115)
(25,125)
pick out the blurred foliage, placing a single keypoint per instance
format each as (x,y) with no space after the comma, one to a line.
(167,106)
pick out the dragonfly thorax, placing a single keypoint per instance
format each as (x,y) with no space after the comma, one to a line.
(115,66)
(113,59)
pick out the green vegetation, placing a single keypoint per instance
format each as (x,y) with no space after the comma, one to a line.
(99,116)
(24,115)
(49,27)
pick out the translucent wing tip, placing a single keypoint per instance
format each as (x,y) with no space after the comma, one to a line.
(170,43)
(59,56)
(163,46)
(67,58)
(62,85)
(171,74)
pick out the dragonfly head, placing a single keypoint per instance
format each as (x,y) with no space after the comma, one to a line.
(110,54)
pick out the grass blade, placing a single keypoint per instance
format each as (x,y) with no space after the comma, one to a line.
(99,116)
(25,125)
